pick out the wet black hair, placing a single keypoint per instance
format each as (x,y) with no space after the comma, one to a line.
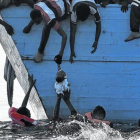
(99,113)
(34,14)
(82,12)
(24,111)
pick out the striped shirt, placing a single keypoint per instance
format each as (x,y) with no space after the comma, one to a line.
(49,14)
(136,3)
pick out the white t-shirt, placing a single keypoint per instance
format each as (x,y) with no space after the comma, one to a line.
(61,87)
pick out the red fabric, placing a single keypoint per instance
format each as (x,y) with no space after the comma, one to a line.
(89,116)
(12,109)
(16,117)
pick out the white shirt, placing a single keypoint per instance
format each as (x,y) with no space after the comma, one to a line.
(61,87)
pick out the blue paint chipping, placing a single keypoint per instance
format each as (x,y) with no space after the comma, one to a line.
(110,77)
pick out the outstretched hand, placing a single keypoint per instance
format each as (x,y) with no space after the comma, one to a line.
(124,7)
(58,59)
(9,29)
(27,29)
(71,57)
(31,81)
(94,46)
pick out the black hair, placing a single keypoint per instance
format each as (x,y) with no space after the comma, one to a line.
(82,12)
(99,113)
(60,76)
(34,14)
(24,111)
(59,79)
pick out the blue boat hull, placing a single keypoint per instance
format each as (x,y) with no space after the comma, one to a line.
(110,77)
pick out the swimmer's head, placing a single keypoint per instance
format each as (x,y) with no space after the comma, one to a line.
(99,113)
(24,111)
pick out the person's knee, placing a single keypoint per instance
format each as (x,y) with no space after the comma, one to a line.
(64,36)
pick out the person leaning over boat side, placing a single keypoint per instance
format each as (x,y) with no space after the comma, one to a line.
(5,4)
(80,11)
(62,88)
(52,12)
(22,115)
(134,20)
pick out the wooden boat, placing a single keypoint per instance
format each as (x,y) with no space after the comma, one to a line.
(110,77)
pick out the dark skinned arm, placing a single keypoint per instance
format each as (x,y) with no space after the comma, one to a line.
(61,32)
(72,40)
(8,27)
(31,84)
(58,58)
(97,35)
(31,23)
(98,31)
(124,7)
(27,29)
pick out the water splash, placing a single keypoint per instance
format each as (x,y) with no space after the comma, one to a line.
(66,130)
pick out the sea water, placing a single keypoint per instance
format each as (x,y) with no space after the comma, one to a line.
(65,130)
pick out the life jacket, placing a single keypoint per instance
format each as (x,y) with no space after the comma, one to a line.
(89,116)
(17,118)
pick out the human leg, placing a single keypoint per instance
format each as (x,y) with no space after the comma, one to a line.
(134,23)
(57,107)
(68,103)
(44,39)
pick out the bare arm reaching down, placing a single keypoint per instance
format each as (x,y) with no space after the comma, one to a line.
(72,40)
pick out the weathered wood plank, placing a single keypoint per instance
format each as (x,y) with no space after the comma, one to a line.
(21,72)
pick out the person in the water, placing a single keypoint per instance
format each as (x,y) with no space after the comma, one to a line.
(62,88)
(97,116)
(81,11)
(22,115)
(134,21)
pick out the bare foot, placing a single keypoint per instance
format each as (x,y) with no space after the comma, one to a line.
(132,36)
